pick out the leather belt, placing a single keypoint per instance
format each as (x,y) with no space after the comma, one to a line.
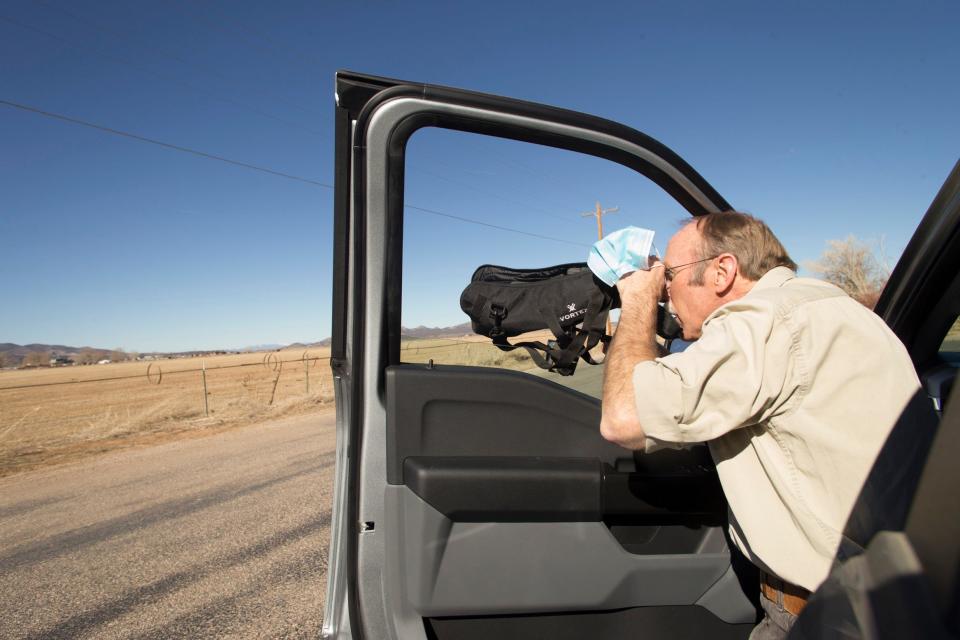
(791,597)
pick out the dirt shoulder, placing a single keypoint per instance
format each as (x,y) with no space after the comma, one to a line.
(217,536)
(15,460)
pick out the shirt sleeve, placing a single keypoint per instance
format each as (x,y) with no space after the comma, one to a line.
(742,371)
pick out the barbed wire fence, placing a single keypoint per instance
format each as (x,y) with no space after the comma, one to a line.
(48,419)
(307,370)
(269,360)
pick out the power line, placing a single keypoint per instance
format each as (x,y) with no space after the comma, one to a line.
(167,145)
(493,226)
(538,174)
(271,45)
(203,154)
(274,47)
(487,191)
(253,109)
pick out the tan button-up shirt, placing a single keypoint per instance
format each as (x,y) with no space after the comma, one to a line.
(795,387)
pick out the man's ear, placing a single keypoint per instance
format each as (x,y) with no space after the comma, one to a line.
(726,273)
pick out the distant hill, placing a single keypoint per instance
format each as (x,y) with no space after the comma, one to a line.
(436,332)
(263,347)
(22,350)
(12,354)
(10,349)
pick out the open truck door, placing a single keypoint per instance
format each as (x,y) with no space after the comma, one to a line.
(477,502)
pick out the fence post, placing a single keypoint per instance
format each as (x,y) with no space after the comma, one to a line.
(274,392)
(206,407)
(306,371)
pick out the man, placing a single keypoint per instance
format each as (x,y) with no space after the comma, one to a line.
(793,385)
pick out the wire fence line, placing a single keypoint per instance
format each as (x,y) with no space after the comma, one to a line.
(62,419)
(142,375)
(264,363)
(51,420)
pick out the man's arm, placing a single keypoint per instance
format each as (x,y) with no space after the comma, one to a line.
(634,342)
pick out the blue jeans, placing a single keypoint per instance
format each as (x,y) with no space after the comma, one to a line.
(776,621)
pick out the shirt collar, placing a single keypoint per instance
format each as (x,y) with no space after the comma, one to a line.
(776,277)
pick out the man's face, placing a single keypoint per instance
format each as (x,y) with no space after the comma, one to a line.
(691,303)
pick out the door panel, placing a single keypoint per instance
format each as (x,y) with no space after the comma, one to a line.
(506,500)
(467,411)
(676,623)
(475,568)
(474,441)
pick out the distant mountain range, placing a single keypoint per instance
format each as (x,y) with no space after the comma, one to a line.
(13,354)
(16,350)
(436,332)
(265,347)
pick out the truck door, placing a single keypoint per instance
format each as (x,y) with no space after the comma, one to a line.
(476,502)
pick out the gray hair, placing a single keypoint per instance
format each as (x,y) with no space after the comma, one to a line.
(748,238)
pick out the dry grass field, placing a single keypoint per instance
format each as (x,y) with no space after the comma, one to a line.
(63,413)
(53,415)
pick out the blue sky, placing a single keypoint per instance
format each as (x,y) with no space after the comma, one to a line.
(825,119)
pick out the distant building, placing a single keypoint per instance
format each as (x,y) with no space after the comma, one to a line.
(104,361)
(60,361)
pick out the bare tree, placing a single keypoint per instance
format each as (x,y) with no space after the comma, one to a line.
(853,265)
(87,356)
(4,360)
(118,355)
(36,359)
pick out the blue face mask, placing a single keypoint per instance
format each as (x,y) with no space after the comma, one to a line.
(619,253)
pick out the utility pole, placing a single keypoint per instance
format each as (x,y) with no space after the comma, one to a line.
(599,213)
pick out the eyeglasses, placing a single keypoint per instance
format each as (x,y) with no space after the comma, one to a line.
(670,272)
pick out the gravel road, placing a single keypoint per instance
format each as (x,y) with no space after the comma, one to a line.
(222,536)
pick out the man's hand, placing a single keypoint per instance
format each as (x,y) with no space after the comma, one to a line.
(633,343)
(644,285)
